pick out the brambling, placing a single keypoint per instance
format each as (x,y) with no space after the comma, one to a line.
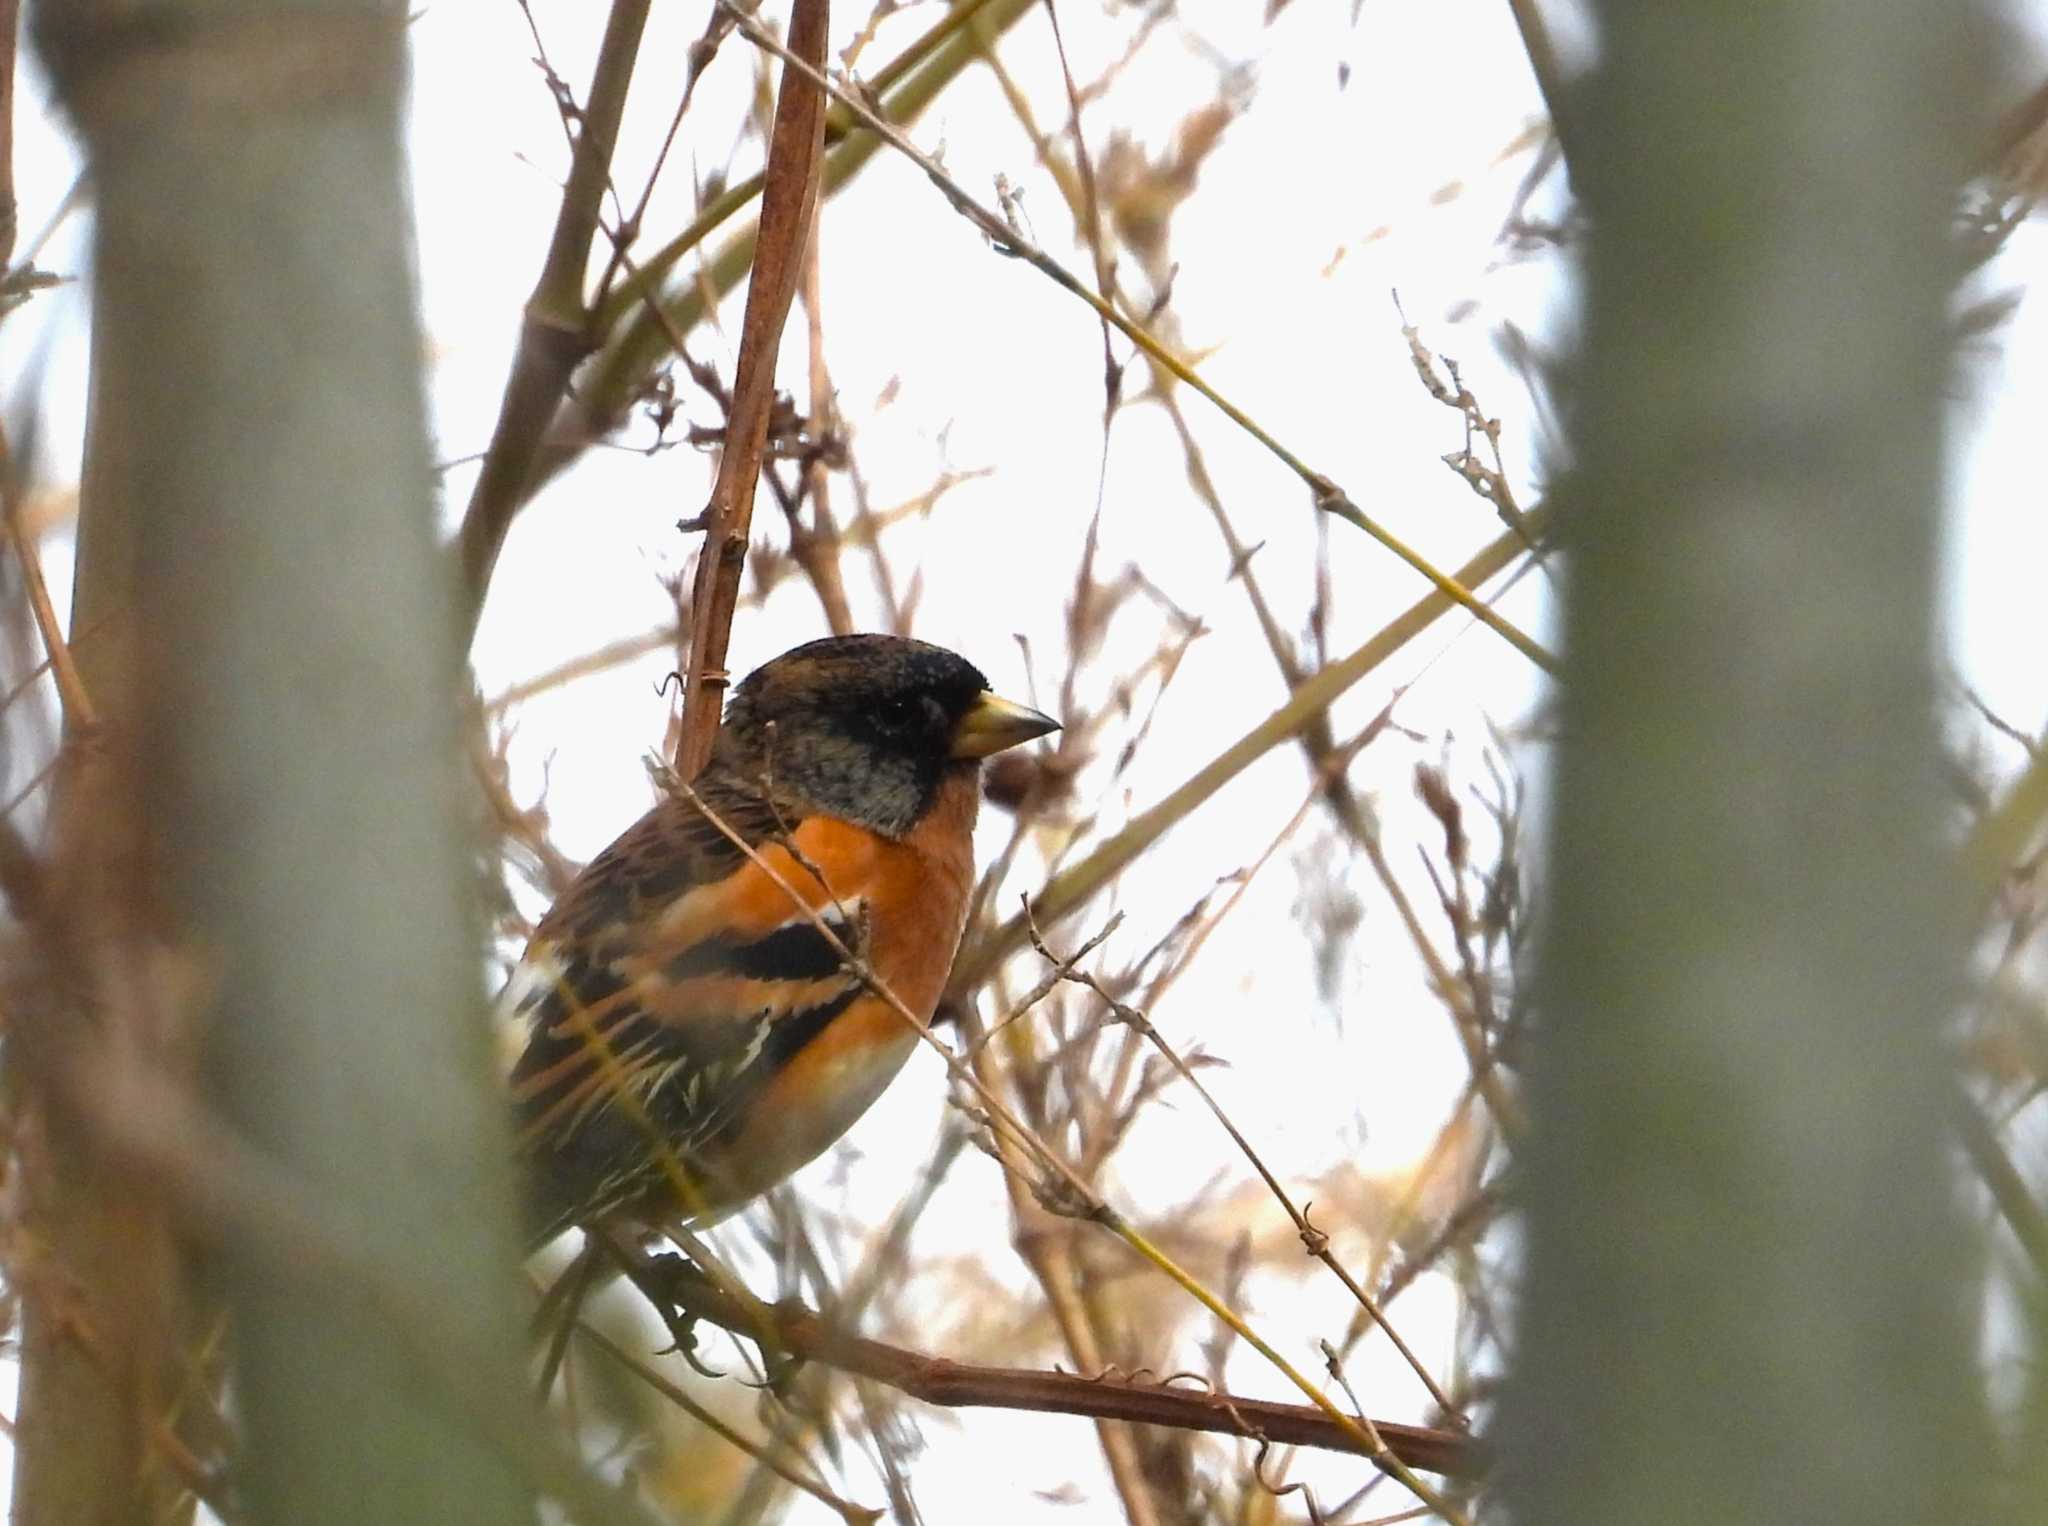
(692,1037)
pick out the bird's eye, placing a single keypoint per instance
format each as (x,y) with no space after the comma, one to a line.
(897,714)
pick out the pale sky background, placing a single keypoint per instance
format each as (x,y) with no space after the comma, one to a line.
(1326,196)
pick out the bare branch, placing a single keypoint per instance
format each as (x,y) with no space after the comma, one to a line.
(787,200)
(804,1334)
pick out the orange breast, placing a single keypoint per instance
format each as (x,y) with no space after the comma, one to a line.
(912,894)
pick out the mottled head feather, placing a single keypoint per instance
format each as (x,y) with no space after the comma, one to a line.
(858,727)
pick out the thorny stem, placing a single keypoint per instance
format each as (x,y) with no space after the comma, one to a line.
(808,1336)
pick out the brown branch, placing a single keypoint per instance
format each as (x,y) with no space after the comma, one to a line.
(787,199)
(804,1334)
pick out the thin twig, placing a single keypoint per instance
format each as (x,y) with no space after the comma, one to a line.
(556,332)
(1505,1106)
(2008,1188)
(35,782)
(598,660)
(1007,239)
(1313,1240)
(1089,218)
(1075,886)
(701,52)
(618,374)
(815,547)
(80,718)
(1489,482)
(859,1515)
(1063,1190)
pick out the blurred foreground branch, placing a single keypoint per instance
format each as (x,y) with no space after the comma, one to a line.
(260,489)
(1749,1293)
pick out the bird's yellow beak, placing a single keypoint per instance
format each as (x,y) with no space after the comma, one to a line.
(993,723)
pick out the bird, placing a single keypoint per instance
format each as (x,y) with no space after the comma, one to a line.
(691,1034)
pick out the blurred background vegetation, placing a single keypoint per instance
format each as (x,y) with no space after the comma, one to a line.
(1583,606)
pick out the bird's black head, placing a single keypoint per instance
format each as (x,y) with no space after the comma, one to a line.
(866,728)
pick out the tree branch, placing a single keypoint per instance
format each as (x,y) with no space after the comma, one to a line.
(807,1335)
(787,200)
